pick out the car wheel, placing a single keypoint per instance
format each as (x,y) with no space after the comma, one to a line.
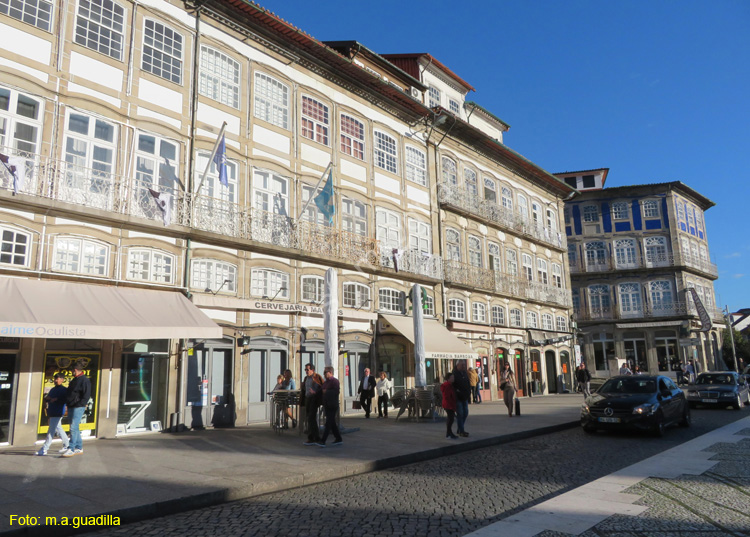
(737,403)
(589,430)
(686,419)
(659,427)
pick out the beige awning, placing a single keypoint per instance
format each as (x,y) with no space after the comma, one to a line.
(439,342)
(65,310)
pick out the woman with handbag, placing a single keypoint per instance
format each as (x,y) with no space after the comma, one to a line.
(508,386)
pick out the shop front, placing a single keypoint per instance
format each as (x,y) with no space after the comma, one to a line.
(55,325)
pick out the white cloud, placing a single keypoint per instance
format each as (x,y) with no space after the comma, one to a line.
(738,275)
(733,254)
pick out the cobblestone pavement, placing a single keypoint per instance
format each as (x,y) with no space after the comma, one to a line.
(455,496)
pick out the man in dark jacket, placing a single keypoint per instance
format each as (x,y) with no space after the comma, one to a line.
(79,393)
(331,391)
(583,376)
(311,395)
(55,400)
(463,393)
(366,392)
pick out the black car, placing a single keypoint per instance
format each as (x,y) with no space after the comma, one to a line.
(719,388)
(642,402)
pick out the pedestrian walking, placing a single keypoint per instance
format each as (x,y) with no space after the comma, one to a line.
(79,393)
(311,396)
(55,401)
(463,393)
(473,381)
(584,379)
(449,404)
(331,390)
(383,389)
(366,392)
(508,386)
(690,372)
(624,369)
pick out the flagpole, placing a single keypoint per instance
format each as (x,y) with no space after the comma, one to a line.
(312,195)
(211,157)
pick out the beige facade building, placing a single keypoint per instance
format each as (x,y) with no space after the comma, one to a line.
(109,112)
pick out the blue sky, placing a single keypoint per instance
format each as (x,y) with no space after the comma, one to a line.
(655,91)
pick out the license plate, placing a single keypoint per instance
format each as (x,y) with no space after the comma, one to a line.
(709,400)
(609,420)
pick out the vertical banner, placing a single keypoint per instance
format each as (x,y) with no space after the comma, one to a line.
(420,371)
(330,321)
(63,362)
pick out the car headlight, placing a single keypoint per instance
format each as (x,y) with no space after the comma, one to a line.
(727,394)
(645,410)
(585,408)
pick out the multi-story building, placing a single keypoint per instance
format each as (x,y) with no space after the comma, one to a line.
(634,252)
(114,108)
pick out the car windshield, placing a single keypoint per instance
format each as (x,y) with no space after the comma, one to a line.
(628,385)
(712,378)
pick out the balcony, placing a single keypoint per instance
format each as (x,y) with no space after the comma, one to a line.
(413,261)
(650,262)
(670,309)
(463,200)
(479,278)
(698,263)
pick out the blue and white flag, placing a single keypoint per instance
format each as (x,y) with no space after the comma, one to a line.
(325,201)
(220,159)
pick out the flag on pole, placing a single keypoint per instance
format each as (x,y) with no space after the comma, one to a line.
(220,159)
(164,202)
(16,166)
(324,199)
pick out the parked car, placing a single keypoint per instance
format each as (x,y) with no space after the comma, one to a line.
(719,388)
(642,402)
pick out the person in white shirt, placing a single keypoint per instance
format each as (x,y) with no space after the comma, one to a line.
(625,370)
(383,389)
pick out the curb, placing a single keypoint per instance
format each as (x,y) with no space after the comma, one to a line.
(209,499)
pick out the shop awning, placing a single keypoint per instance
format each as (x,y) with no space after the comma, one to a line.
(65,310)
(438,341)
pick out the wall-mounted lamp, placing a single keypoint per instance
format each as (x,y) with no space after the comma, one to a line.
(283,288)
(208,289)
(363,304)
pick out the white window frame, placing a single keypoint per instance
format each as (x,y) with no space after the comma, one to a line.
(15,252)
(590,214)
(474,249)
(162,51)
(29,11)
(599,299)
(479,312)
(271,100)
(498,316)
(312,213)
(354,216)
(101,28)
(547,322)
(212,187)
(270,192)
(352,136)
(316,120)
(390,300)
(631,302)
(356,295)
(313,289)
(625,253)
(507,195)
(456,309)
(433,97)
(557,279)
(87,170)
(561,323)
(453,244)
(470,182)
(385,152)
(450,171)
(661,295)
(596,254)
(416,166)
(420,236)
(551,220)
(651,209)
(620,211)
(494,257)
(388,230)
(79,255)
(511,260)
(656,252)
(19,131)
(532,319)
(516,320)
(428,307)
(219,77)
(211,274)
(151,265)
(541,270)
(454,106)
(265,282)
(523,207)
(528,266)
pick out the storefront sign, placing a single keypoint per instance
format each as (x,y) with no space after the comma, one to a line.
(63,362)
(449,356)
(9,343)
(292,308)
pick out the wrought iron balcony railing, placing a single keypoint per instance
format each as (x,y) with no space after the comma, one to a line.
(453,195)
(649,261)
(413,261)
(647,311)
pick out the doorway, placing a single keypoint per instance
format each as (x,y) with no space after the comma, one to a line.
(8,383)
(208,380)
(142,390)
(356,358)
(549,363)
(268,358)
(635,353)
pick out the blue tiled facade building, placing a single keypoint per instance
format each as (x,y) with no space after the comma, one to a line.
(634,252)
